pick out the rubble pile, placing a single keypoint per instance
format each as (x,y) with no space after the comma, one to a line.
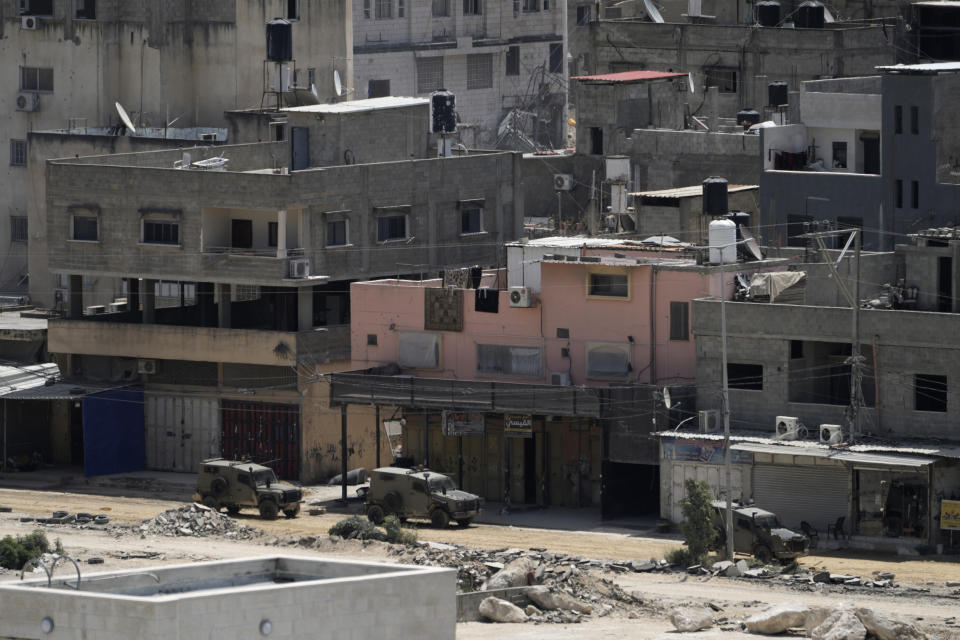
(197,521)
(843,622)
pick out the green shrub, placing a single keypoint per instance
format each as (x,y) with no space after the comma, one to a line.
(697,527)
(679,556)
(356,528)
(14,552)
(397,533)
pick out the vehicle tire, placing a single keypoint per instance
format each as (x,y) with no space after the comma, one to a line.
(762,553)
(292,512)
(218,486)
(464,522)
(392,502)
(375,514)
(233,509)
(269,509)
(440,518)
(213,503)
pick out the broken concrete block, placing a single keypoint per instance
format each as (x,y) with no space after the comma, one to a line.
(642,567)
(816,616)
(722,566)
(514,574)
(737,569)
(531,610)
(821,576)
(550,600)
(842,624)
(778,618)
(691,618)
(887,628)
(501,611)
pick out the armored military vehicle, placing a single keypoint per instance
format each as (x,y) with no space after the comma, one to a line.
(412,493)
(235,484)
(758,532)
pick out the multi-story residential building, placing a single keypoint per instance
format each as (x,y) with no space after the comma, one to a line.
(498,57)
(236,295)
(522,353)
(68,62)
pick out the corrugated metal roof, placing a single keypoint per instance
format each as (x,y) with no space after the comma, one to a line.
(930,67)
(842,455)
(689,192)
(14,379)
(629,76)
(357,106)
(62,391)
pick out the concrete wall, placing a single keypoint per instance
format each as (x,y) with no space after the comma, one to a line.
(686,221)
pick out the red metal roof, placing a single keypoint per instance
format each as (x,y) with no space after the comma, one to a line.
(630,76)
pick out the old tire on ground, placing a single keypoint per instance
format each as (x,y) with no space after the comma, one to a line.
(233,509)
(375,514)
(762,553)
(291,512)
(392,502)
(218,486)
(213,503)
(269,509)
(440,518)
(464,522)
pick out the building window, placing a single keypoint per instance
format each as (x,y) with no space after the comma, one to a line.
(336,233)
(471,218)
(441,8)
(479,71)
(391,227)
(160,232)
(36,79)
(898,119)
(583,15)
(418,350)
(748,377)
(18,153)
(18,228)
(273,229)
(531,5)
(293,9)
(915,194)
(508,360)
(556,57)
(929,392)
(472,7)
(725,80)
(85,9)
(596,141)
(914,120)
(898,193)
(608,285)
(84,228)
(429,74)
(796,349)
(378,88)
(513,61)
(371,339)
(311,77)
(36,7)
(384,9)
(839,155)
(366,9)
(608,360)
(401,8)
(679,320)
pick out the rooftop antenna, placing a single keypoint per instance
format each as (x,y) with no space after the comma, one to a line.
(690,82)
(127,122)
(338,85)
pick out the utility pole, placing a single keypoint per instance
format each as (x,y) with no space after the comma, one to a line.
(727,454)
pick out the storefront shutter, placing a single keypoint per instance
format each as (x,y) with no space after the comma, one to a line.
(817,494)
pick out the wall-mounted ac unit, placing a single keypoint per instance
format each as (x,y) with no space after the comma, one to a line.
(30,23)
(28,102)
(560,379)
(562,182)
(148,367)
(208,137)
(709,421)
(787,428)
(300,267)
(520,297)
(831,434)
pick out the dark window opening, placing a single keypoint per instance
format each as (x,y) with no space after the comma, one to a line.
(86,10)
(819,373)
(945,283)
(839,155)
(336,233)
(85,228)
(272,231)
(157,232)
(914,194)
(898,119)
(914,120)
(725,80)
(371,339)
(513,61)
(378,88)
(563,333)
(241,234)
(278,134)
(18,228)
(583,15)
(556,57)
(796,349)
(37,8)
(795,229)
(930,392)
(471,219)
(391,228)
(679,320)
(596,141)
(748,377)
(898,193)
(609,284)
(472,7)
(871,152)
(36,79)
(531,5)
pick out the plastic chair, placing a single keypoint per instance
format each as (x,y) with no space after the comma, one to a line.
(812,534)
(837,529)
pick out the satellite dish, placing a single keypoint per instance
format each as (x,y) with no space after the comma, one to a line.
(750,242)
(125,118)
(313,90)
(337,85)
(690,82)
(652,11)
(667,401)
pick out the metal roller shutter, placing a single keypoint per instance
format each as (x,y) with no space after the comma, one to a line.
(181,431)
(818,495)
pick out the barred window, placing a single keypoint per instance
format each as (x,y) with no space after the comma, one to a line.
(479,71)
(18,228)
(429,74)
(36,79)
(161,232)
(18,153)
(384,9)
(472,7)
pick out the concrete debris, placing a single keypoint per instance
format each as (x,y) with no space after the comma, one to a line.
(841,625)
(691,618)
(531,610)
(778,618)
(885,628)
(197,521)
(549,600)
(518,573)
(499,610)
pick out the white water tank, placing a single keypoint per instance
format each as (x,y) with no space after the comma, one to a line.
(617,168)
(723,242)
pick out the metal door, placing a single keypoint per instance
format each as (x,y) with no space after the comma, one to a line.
(181,431)
(264,433)
(299,148)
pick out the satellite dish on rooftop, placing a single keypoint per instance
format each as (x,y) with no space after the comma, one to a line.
(667,401)
(750,242)
(652,11)
(125,118)
(337,85)
(313,90)
(693,89)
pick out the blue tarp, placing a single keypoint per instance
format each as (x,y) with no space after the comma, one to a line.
(113,432)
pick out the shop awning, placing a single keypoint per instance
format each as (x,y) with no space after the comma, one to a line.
(851,457)
(60,391)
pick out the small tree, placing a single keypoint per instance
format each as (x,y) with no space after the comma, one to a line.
(697,526)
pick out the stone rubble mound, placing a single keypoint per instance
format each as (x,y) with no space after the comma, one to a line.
(842,622)
(195,520)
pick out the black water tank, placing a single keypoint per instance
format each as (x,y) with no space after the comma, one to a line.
(715,196)
(747,117)
(279,40)
(443,112)
(768,13)
(778,94)
(810,15)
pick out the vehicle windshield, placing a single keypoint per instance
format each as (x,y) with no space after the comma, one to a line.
(768,522)
(441,483)
(265,477)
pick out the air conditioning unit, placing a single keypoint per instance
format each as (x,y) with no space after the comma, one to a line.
(787,428)
(28,102)
(560,379)
(709,421)
(520,297)
(300,268)
(30,23)
(562,182)
(148,367)
(208,137)
(831,434)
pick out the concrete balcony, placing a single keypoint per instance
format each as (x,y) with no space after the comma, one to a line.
(200,344)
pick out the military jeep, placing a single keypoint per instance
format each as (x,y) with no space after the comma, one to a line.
(410,493)
(235,484)
(758,532)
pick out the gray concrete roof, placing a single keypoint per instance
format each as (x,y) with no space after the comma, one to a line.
(13,321)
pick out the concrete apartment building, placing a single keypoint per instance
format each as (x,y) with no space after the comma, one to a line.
(237,279)
(497,57)
(70,61)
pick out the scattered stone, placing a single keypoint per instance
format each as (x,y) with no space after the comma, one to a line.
(94,560)
(821,576)
(514,574)
(550,600)
(531,610)
(499,610)
(952,583)
(721,567)
(884,628)
(317,511)
(885,575)
(691,618)
(842,624)
(5,509)
(194,520)
(778,618)
(756,573)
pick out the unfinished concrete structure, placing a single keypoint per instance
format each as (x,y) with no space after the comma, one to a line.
(68,63)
